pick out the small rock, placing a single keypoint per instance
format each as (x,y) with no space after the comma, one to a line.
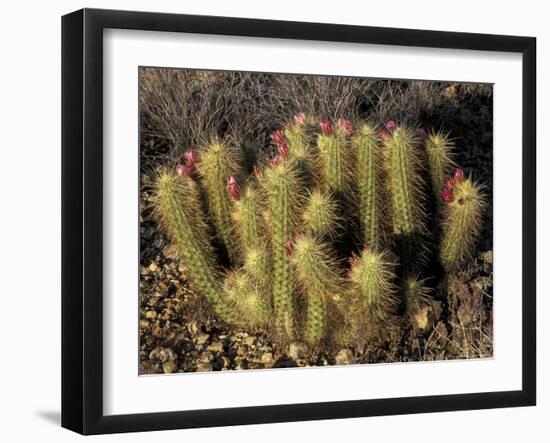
(215,347)
(204,367)
(296,350)
(241,351)
(267,358)
(202,338)
(153,267)
(344,357)
(250,340)
(151,315)
(169,366)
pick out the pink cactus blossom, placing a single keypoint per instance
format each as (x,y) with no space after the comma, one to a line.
(282,148)
(346,125)
(190,156)
(288,247)
(450,183)
(390,125)
(185,170)
(300,118)
(275,160)
(257,172)
(233,188)
(353,260)
(325,126)
(459,175)
(447,195)
(421,132)
(383,134)
(278,137)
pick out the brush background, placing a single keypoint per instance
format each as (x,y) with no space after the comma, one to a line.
(30,263)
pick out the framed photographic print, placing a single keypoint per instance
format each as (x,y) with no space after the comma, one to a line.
(269,221)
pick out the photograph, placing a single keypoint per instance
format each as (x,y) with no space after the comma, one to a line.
(292,220)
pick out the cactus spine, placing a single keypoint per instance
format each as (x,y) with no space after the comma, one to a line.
(462,216)
(179,208)
(369,191)
(438,150)
(216,165)
(280,182)
(372,275)
(317,273)
(416,294)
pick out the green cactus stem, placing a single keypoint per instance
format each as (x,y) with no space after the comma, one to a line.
(248,219)
(464,204)
(216,165)
(333,153)
(178,206)
(281,184)
(257,266)
(250,306)
(369,185)
(404,182)
(300,151)
(320,214)
(372,275)
(317,273)
(438,153)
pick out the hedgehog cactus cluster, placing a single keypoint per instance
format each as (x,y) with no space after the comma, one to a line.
(327,240)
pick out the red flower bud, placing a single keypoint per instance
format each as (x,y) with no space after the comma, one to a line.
(447,195)
(390,125)
(282,148)
(257,172)
(190,156)
(325,126)
(278,137)
(421,132)
(459,175)
(346,125)
(187,170)
(288,247)
(275,160)
(233,188)
(383,134)
(450,183)
(352,260)
(300,118)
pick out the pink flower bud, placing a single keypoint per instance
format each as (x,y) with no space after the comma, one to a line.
(190,156)
(257,172)
(447,195)
(300,118)
(275,160)
(288,247)
(450,183)
(233,188)
(282,148)
(390,125)
(459,175)
(383,134)
(353,259)
(346,125)
(421,132)
(325,126)
(185,170)
(278,137)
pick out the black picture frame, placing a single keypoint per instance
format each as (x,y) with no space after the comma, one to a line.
(82,218)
